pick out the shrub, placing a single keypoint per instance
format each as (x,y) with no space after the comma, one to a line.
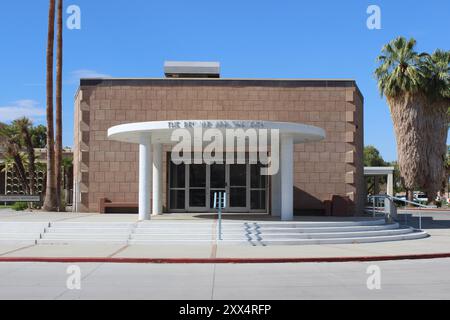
(19,206)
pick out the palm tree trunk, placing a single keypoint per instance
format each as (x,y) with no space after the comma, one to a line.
(410,197)
(421,131)
(31,160)
(58,146)
(21,172)
(50,193)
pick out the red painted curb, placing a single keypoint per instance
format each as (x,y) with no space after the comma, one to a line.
(224,260)
(425,209)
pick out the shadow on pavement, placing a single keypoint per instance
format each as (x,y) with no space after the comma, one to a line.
(428,222)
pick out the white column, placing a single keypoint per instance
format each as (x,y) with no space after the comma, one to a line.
(287,178)
(390,184)
(157,178)
(145,178)
(276,194)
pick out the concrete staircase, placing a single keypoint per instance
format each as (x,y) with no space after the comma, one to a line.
(87,232)
(275,233)
(23,233)
(247,233)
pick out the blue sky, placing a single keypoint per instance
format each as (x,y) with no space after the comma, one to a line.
(261,39)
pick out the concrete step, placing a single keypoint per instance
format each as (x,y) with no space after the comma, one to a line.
(71,230)
(324,229)
(92,224)
(330,235)
(21,233)
(252,242)
(183,222)
(256,229)
(182,242)
(316,224)
(408,236)
(181,236)
(81,241)
(21,242)
(175,231)
(105,236)
(254,235)
(278,224)
(19,236)
(26,227)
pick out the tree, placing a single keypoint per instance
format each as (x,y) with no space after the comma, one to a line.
(24,125)
(372,157)
(14,157)
(445,182)
(398,181)
(437,75)
(67,164)
(50,192)
(58,145)
(414,92)
(39,136)
(20,157)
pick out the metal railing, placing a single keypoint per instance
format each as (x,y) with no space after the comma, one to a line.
(417,204)
(220,202)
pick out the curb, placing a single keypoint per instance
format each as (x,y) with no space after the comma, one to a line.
(438,210)
(224,260)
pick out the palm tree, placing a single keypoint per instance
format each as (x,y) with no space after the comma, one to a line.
(58,145)
(68,177)
(39,136)
(444,188)
(50,192)
(16,163)
(15,159)
(420,124)
(437,70)
(24,125)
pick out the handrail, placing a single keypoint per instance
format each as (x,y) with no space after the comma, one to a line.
(220,201)
(403,200)
(384,196)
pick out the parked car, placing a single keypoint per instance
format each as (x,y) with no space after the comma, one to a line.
(421,198)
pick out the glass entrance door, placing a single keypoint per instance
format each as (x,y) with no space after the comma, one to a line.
(205,180)
(217,180)
(197,187)
(237,187)
(192,187)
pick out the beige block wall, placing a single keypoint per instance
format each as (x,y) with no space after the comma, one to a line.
(109,169)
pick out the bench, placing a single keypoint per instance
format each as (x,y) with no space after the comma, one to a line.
(105,203)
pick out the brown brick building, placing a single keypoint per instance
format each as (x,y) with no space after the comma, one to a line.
(104,168)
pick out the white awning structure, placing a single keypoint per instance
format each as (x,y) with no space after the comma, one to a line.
(152,135)
(378,171)
(161,131)
(382,171)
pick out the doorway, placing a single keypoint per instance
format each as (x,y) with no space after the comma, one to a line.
(192,187)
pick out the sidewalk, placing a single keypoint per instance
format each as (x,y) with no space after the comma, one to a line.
(436,225)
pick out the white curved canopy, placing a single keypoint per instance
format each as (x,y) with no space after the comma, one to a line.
(161,131)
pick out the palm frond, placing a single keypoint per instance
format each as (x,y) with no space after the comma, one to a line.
(398,71)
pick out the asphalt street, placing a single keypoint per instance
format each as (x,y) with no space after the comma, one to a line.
(409,279)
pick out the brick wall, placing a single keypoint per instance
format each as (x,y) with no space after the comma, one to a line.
(106,168)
